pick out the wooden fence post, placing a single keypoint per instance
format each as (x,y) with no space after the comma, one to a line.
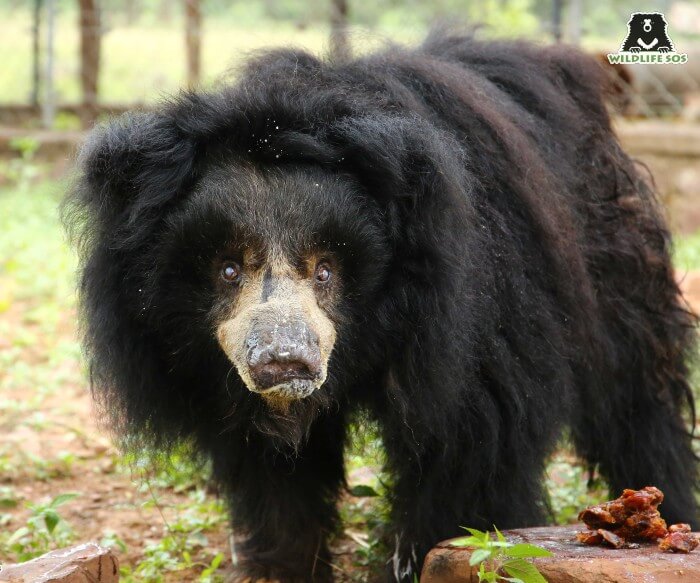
(90,37)
(193,41)
(340,45)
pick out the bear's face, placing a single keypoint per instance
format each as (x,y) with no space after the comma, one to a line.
(272,255)
(277,328)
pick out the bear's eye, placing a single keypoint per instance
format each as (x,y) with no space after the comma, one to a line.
(323,273)
(230,271)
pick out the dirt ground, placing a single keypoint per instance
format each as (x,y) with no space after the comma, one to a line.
(690,285)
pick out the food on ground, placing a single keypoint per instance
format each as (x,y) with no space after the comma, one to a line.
(679,539)
(634,517)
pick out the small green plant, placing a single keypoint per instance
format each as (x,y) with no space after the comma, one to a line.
(45,529)
(571,488)
(177,471)
(111,540)
(21,171)
(500,560)
(184,543)
(8,497)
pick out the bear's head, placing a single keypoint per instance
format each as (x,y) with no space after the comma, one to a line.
(255,255)
(287,246)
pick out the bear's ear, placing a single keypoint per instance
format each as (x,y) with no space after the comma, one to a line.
(581,77)
(129,168)
(398,157)
(411,168)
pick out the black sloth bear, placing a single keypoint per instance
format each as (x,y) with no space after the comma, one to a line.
(447,238)
(646,32)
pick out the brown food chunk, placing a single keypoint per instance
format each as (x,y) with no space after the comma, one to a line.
(611,538)
(598,517)
(632,516)
(679,541)
(589,537)
(646,525)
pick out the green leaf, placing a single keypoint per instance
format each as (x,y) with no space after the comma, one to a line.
(488,576)
(197,539)
(478,556)
(475,532)
(524,550)
(521,569)
(467,541)
(363,491)
(18,534)
(216,561)
(51,519)
(499,534)
(62,499)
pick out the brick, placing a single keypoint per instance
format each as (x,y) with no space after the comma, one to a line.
(86,563)
(572,562)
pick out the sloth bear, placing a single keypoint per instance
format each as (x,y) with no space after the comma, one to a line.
(448,239)
(646,32)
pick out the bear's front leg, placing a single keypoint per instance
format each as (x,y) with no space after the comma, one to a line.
(283,505)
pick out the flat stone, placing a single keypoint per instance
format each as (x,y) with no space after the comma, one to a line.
(86,563)
(572,562)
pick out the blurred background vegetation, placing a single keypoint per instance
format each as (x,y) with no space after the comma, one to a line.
(61,479)
(143,49)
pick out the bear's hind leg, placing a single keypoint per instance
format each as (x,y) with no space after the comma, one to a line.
(634,420)
(435,494)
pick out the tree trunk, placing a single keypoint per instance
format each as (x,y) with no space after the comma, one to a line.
(90,36)
(132,12)
(36,52)
(48,104)
(193,38)
(575,17)
(165,13)
(557,7)
(340,44)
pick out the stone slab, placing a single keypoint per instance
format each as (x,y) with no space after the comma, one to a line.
(572,562)
(86,563)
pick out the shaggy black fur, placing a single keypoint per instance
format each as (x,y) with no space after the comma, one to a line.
(507,275)
(650,27)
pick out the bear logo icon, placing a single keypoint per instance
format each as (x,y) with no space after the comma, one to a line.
(646,32)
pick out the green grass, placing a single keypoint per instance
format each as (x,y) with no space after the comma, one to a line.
(687,253)
(36,264)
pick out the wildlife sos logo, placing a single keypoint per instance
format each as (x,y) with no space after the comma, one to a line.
(647,41)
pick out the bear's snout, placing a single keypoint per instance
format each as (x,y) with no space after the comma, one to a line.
(286,354)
